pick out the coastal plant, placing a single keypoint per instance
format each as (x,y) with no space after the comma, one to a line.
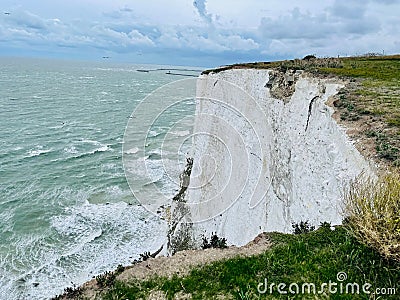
(106,279)
(372,208)
(74,292)
(325,225)
(215,242)
(145,256)
(120,269)
(302,227)
(384,145)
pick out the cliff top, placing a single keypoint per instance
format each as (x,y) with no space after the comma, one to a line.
(324,65)
(369,105)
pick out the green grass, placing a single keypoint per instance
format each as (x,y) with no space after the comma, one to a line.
(314,257)
(379,93)
(376,100)
(381,68)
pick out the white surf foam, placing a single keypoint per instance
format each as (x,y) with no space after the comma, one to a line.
(92,239)
(180,133)
(37,152)
(132,150)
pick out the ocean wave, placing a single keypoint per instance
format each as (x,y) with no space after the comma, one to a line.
(79,150)
(133,150)
(89,141)
(103,148)
(180,133)
(6,220)
(37,152)
(70,150)
(100,237)
(153,133)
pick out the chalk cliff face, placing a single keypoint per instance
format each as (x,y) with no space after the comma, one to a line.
(266,153)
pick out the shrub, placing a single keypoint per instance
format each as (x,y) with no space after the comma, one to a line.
(372,208)
(325,226)
(74,292)
(215,242)
(309,57)
(106,280)
(145,256)
(302,227)
(120,269)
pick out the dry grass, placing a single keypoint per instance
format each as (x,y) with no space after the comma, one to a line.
(373,210)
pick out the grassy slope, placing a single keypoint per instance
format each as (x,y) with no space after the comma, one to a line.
(314,257)
(376,101)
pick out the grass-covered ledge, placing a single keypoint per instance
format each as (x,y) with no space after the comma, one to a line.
(315,257)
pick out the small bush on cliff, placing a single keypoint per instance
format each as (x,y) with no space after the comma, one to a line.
(215,242)
(74,292)
(145,256)
(373,213)
(106,279)
(302,227)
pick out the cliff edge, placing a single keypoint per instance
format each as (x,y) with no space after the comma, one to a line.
(267,153)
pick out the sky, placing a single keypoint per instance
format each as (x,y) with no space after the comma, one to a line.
(199,32)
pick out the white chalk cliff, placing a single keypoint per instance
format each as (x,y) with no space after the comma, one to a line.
(266,153)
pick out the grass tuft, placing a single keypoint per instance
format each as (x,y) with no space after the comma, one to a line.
(373,210)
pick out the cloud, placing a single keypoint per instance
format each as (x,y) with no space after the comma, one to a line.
(200,40)
(120,13)
(297,25)
(200,6)
(387,1)
(262,31)
(27,20)
(349,9)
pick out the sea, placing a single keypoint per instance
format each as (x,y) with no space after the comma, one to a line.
(67,212)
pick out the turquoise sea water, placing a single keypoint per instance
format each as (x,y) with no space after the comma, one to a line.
(66,210)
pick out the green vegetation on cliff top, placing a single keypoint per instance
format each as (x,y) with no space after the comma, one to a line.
(372,100)
(315,257)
